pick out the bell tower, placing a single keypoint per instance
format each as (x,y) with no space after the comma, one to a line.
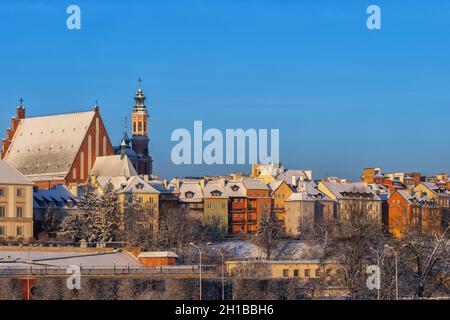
(139,130)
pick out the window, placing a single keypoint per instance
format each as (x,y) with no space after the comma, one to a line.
(2,192)
(2,231)
(296,273)
(285,273)
(2,211)
(19,212)
(189,194)
(317,272)
(328,272)
(19,231)
(20,192)
(307,273)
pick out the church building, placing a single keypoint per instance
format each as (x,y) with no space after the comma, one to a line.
(56,149)
(136,148)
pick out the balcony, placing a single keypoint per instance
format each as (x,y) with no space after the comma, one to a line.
(251,209)
(237,209)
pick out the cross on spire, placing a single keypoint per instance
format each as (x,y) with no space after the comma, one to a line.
(140,82)
(21,101)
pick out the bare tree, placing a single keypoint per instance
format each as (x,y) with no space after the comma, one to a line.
(424,258)
(355,235)
(268,234)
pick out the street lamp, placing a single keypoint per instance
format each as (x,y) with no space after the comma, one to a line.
(200,264)
(223,268)
(396,269)
(378,261)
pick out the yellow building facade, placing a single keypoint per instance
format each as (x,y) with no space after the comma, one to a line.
(16,204)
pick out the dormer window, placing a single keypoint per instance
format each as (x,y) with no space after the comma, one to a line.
(216,193)
(189,194)
(235,188)
(140,186)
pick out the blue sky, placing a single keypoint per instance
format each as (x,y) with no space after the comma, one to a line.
(343,97)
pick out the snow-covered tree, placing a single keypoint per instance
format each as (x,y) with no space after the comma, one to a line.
(93,218)
(110,214)
(71,229)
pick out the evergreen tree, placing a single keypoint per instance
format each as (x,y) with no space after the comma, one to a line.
(110,210)
(71,229)
(92,216)
(49,226)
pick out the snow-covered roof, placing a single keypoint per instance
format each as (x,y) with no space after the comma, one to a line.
(157,254)
(274,185)
(215,186)
(66,259)
(58,193)
(288,174)
(300,196)
(255,184)
(137,185)
(10,175)
(113,166)
(344,190)
(46,147)
(235,189)
(193,188)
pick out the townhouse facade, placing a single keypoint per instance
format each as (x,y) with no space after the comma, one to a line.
(16,204)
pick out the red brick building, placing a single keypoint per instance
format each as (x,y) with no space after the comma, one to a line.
(56,149)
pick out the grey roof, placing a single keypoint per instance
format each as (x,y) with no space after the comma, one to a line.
(9,175)
(255,184)
(113,166)
(46,147)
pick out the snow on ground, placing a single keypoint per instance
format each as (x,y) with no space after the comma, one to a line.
(246,250)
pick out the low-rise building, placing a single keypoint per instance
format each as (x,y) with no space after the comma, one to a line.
(215,205)
(351,197)
(16,204)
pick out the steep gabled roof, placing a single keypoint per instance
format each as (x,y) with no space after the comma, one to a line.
(113,166)
(46,147)
(137,185)
(213,186)
(240,189)
(191,187)
(10,175)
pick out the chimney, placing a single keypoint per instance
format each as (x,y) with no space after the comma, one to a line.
(202,183)
(294,181)
(165,183)
(309,174)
